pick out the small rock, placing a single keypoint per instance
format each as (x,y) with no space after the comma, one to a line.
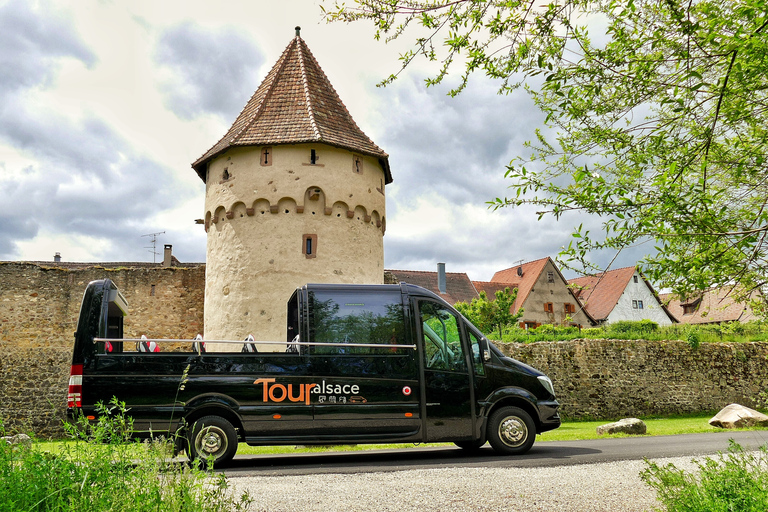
(625,426)
(22,439)
(738,416)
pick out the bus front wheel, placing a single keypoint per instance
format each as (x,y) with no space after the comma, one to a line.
(511,431)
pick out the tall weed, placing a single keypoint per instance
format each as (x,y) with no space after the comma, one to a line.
(104,470)
(733,481)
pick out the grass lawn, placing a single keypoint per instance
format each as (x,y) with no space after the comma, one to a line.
(568,431)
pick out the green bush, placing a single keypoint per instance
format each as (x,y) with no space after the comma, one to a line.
(107,472)
(644,330)
(632,327)
(736,481)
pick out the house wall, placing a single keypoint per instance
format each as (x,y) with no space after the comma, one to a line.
(638,291)
(257,218)
(558,294)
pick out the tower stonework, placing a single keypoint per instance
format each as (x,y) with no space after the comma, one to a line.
(294,195)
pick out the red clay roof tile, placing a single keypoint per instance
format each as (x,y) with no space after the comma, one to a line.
(295,103)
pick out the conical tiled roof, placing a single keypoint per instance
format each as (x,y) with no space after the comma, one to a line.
(295,103)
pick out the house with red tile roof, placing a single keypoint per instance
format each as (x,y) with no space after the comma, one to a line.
(452,286)
(542,292)
(713,306)
(621,294)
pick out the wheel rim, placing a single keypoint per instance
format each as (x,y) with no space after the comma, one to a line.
(211,441)
(513,431)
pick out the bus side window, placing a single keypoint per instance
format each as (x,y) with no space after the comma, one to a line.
(477,353)
(442,339)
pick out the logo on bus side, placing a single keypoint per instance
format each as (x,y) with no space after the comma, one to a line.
(273,392)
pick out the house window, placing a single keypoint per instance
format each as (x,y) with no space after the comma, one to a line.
(637,304)
(569,308)
(312,156)
(550,277)
(549,307)
(689,309)
(634,278)
(357,165)
(266,155)
(309,246)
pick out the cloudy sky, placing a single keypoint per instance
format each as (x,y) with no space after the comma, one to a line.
(105,104)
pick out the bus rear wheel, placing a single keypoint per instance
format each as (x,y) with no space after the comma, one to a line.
(511,431)
(213,441)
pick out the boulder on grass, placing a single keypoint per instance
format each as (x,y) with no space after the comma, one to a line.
(625,426)
(738,416)
(22,439)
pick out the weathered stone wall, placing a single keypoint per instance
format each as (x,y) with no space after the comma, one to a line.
(593,378)
(39,306)
(616,378)
(33,396)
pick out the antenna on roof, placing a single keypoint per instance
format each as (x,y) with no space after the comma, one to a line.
(298,31)
(153,247)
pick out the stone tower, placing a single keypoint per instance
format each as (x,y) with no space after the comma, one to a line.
(294,195)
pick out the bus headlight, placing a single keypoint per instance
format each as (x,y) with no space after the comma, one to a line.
(547,383)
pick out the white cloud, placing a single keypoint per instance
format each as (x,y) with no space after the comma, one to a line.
(104,105)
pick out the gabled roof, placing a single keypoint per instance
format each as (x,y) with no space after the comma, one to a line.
(715,305)
(601,292)
(491,288)
(525,275)
(295,103)
(458,286)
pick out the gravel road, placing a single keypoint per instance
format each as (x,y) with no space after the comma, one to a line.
(600,487)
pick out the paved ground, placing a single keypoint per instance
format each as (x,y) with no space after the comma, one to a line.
(547,479)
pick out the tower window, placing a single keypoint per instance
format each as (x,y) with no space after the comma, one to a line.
(225,175)
(309,246)
(357,164)
(266,155)
(312,156)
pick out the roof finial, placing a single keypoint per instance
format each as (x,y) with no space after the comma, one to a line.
(298,31)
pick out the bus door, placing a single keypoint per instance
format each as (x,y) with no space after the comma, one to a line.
(447,383)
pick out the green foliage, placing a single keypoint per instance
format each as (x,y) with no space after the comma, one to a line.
(736,480)
(644,330)
(656,119)
(489,315)
(103,470)
(692,338)
(636,327)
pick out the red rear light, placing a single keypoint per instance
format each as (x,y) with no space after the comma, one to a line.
(75,393)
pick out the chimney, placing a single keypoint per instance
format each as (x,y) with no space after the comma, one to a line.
(167,255)
(57,257)
(441,277)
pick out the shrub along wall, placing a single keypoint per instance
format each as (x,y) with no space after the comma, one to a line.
(606,379)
